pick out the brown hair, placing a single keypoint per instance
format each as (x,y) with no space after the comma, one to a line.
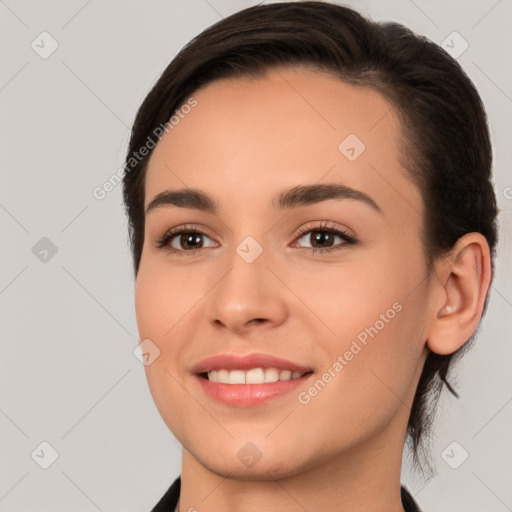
(447,148)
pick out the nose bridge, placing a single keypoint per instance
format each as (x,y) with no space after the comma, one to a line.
(248,290)
(249,242)
(248,277)
(250,250)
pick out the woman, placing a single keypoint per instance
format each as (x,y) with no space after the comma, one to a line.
(313,230)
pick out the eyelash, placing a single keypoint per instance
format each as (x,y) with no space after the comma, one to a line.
(324,227)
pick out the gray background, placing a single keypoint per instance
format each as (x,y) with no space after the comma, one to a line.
(68,373)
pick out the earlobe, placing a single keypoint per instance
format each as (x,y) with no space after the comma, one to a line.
(466,277)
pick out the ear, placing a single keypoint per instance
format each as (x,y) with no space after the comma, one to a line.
(463,280)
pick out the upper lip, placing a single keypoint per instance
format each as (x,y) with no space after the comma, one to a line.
(246,362)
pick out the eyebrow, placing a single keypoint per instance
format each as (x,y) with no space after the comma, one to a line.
(300,195)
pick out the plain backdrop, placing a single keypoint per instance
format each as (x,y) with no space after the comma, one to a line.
(69,377)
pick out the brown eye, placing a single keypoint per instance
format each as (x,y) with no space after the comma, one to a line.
(183,241)
(324,238)
(188,241)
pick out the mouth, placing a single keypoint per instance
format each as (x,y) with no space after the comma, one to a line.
(250,380)
(252,376)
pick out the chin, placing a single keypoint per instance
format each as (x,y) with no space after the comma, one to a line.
(273,468)
(258,459)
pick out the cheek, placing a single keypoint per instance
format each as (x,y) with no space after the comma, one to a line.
(149,307)
(161,302)
(162,299)
(166,300)
(159,307)
(376,315)
(352,296)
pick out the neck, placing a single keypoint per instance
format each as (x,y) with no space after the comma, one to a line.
(365,477)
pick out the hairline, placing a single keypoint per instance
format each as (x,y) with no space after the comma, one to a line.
(408,156)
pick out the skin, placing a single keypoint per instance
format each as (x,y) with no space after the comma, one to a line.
(244,142)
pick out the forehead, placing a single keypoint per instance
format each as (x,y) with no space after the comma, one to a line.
(292,126)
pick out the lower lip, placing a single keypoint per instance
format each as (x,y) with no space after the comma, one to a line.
(249,395)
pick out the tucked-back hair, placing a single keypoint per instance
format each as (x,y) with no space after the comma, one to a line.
(447,150)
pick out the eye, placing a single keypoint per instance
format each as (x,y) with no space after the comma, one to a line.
(322,238)
(183,241)
(188,240)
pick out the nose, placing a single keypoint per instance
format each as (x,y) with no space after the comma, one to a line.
(248,296)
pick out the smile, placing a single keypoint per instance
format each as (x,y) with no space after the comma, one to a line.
(248,380)
(252,376)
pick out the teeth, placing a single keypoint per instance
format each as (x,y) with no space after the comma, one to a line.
(255,376)
(237,377)
(271,375)
(287,375)
(252,376)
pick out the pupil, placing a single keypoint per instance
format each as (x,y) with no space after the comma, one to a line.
(189,238)
(321,235)
(194,238)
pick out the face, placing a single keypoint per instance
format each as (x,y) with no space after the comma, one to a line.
(333,282)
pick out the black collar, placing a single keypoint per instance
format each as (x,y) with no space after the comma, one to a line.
(170,499)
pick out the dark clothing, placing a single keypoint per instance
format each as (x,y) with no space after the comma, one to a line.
(170,499)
